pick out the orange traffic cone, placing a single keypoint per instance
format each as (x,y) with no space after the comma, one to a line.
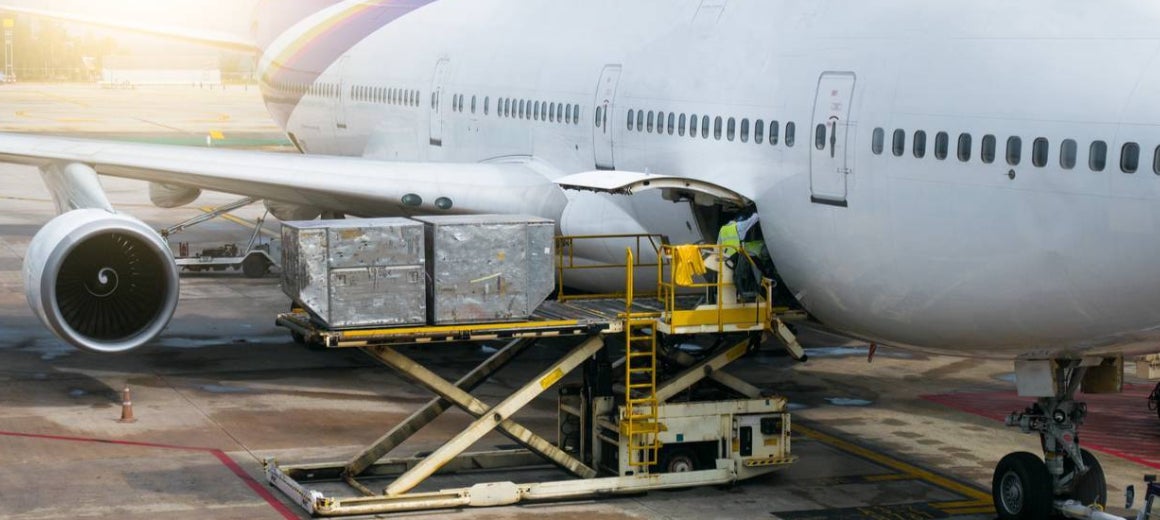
(126,407)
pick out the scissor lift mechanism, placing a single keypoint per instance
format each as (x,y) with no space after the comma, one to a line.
(623,442)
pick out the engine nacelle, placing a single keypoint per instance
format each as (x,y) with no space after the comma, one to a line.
(101,281)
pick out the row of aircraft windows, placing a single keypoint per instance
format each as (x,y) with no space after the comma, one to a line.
(670,123)
(551,112)
(305,89)
(385,95)
(1040,150)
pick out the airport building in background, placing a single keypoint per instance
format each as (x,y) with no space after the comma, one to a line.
(161,70)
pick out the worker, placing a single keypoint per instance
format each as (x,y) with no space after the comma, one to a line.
(734,236)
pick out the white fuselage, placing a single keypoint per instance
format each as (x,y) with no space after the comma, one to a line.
(951,254)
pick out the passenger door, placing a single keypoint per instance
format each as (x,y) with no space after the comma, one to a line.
(830,157)
(602,135)
(438,86)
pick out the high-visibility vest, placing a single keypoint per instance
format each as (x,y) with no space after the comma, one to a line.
(728,239)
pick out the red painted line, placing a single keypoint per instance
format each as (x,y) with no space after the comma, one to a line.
(220,455)
(1120,420)
(257,487)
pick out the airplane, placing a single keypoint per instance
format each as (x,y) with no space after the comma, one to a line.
(975,179)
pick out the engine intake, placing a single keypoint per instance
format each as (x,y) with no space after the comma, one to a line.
(101,281)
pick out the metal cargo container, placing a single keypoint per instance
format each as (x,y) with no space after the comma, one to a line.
(356,273)
(485,268)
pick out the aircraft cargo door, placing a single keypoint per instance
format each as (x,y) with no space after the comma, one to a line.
(830,157)
(602,134)
(438,86)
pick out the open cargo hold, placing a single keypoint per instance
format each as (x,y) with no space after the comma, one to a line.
(356,273)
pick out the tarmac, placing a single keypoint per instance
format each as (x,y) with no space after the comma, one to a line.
(906,436)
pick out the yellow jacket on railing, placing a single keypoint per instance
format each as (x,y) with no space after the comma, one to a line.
(687,262)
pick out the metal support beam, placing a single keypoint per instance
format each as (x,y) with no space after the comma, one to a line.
(701,370)
(489,419)
(433,409)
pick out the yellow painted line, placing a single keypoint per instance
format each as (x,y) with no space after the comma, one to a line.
(216,135)
(895,464)
(889,477)
(241,222)
(956,504)
(981,510)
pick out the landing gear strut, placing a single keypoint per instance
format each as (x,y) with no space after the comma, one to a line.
(1026,487)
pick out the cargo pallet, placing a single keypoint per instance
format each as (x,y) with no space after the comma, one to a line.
(622,438)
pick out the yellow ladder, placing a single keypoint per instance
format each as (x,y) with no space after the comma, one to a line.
(639,423)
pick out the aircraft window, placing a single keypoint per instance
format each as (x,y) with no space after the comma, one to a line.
(507,107)
(759,132)
(731,129)
(790,130)
(432,101)
(919,146)
(745,130)
(718,123)
(473,103)
(941,145)
(681,126)
(987,151)
(661,122)
(877,141)
(820,136)
(1156,161)
(964,152)
(535,110)
(651,115)
(568,114)
(693,125)
(486,104)
(773,127)
(391,96)
(631,119)
(525,114)
(705,127)
(1098,156)
(639,120)
(899,144)
(1130,158)
(1067,154)
(599,113)
(1039,151)
(672,122)
(575,114)
(1014,150)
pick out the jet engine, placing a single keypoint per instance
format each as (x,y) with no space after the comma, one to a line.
(101,281)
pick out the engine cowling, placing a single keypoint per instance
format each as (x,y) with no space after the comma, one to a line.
(101,281)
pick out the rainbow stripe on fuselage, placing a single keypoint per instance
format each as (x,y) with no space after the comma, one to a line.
(306,51)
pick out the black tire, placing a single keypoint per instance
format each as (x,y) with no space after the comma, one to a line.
(1092,487)
(679,460)
(255,266)
(1021,488)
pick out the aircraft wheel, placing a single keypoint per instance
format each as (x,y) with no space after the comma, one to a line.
(255,266)
(1092,487)
(1021,487)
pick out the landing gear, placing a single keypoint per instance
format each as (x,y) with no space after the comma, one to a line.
(1025,486)
(1021,487)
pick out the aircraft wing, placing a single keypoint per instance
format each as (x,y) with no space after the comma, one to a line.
(350,185)
(220,40)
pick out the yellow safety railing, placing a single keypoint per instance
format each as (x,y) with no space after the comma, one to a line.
(639,423)
(644,246)
(726,313)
